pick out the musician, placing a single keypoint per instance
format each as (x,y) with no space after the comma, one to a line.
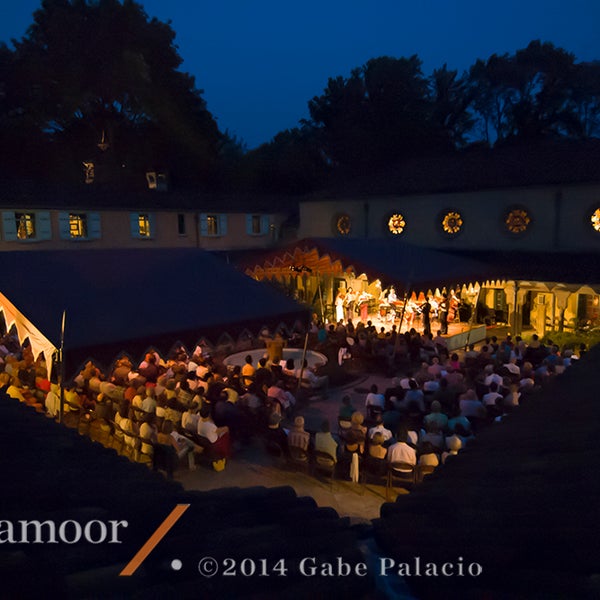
(425,311)
(339,306)
(453,308)
(363,305)
(443,312)
(392,296)
(349,302)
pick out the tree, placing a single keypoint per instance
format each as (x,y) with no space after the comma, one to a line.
(102,71)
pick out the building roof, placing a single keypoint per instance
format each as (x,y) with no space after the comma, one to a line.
(53,473)
(119,300)
(475,169)
(28,194)
(522,501)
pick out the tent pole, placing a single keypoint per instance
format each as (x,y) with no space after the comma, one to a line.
(472,320)
(61,372)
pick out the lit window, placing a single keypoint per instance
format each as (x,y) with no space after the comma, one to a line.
(396,224)
(212,225)
(452,222)
(144,225)
(517,220)
(343,225)
(89,172)
(25,225)
(595,219)
(78,225)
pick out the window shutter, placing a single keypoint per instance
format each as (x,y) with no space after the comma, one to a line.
(134,225)
(249,222)
(94,226)
(203,224)
(63,226)
(9,226)
(222,225)
(152,221)
(43,226)
(265,221)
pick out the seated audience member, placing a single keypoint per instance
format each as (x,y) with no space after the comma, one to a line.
(298,436)
(374,401)
(402,451)
(428,455)
(275,434)
(414,394)
(346,410)
(310,379)
(491,398)
(436,416)
(182,445)
(376,448)
(248,371)
(190,418)
(354,438)
(380,428)
(324,441)
(511,400)
(454,444)
(52,401)
(218,437)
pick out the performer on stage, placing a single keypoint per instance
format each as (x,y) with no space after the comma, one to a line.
(392,296)
(363,305)
(425,311)
(349,302)
(339,306)
(443,311)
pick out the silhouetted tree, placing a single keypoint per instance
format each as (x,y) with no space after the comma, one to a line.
(102,71)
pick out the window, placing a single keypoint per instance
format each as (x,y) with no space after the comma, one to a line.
(517,220)
(213,225)
(257,224)
(142,226)
(396,224)
(181,224)
(79,226)
(452,222)
(26,226)
(595,220)
(342,224)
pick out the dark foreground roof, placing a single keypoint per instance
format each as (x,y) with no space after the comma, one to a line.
(523,501)
(50,472)
(130,299)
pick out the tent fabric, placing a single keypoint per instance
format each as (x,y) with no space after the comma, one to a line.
(40,344)
(408,267)
(418,268)
(129,299)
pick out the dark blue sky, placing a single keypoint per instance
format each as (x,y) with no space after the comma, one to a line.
(259,62)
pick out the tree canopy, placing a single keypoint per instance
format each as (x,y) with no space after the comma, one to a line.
(90,73)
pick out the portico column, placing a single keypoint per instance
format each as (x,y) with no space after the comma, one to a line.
(562,300)
(515,296)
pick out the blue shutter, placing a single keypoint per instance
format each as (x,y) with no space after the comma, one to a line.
(249,222)
(265,221)
(134,225)
(9,226)
(203,224)
(63,226)
(152,221)
(222,225)
(43,226)
(94,226)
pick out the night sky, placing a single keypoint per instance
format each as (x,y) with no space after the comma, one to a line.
(260,62)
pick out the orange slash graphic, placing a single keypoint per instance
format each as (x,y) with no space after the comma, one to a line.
(154,540)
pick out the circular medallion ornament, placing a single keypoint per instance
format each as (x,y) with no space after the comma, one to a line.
(396,224)
(595,220)
(452,222)
(517,220)
(343,225)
